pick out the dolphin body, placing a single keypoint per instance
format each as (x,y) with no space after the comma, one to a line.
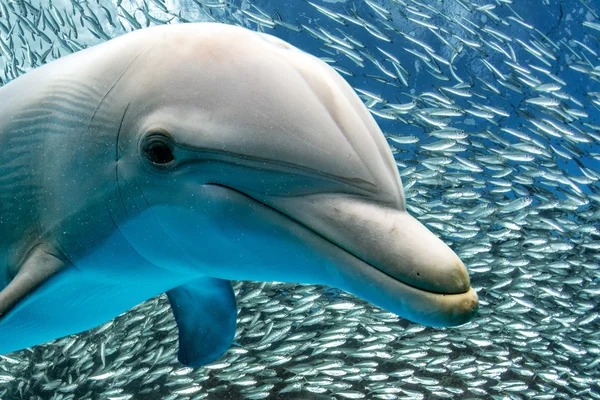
(177,158)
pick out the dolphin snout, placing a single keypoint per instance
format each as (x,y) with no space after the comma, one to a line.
(385,237)
(389,258)
(414,255)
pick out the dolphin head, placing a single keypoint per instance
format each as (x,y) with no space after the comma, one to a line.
(258,161)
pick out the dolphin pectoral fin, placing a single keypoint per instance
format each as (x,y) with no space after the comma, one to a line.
(39,265)
(206,313)
(72,299)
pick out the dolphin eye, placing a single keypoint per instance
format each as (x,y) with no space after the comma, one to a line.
(158,149)
(159,153)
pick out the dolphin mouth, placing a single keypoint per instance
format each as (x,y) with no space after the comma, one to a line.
(425,302)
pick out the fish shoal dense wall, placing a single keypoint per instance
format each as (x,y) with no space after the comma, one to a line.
(491,109)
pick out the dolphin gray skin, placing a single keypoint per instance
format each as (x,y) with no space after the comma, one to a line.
(177,158)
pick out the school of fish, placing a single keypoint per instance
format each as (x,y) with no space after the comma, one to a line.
(494,121)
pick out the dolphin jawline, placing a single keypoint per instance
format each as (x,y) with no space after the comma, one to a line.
(329,241)
(370,283)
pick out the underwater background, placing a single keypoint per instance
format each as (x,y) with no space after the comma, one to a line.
(492,110)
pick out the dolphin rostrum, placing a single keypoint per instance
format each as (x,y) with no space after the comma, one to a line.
(177,158)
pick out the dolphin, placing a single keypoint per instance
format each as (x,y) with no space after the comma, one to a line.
(178,158)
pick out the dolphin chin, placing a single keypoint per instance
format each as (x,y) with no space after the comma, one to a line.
(412,303)
(387,284)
